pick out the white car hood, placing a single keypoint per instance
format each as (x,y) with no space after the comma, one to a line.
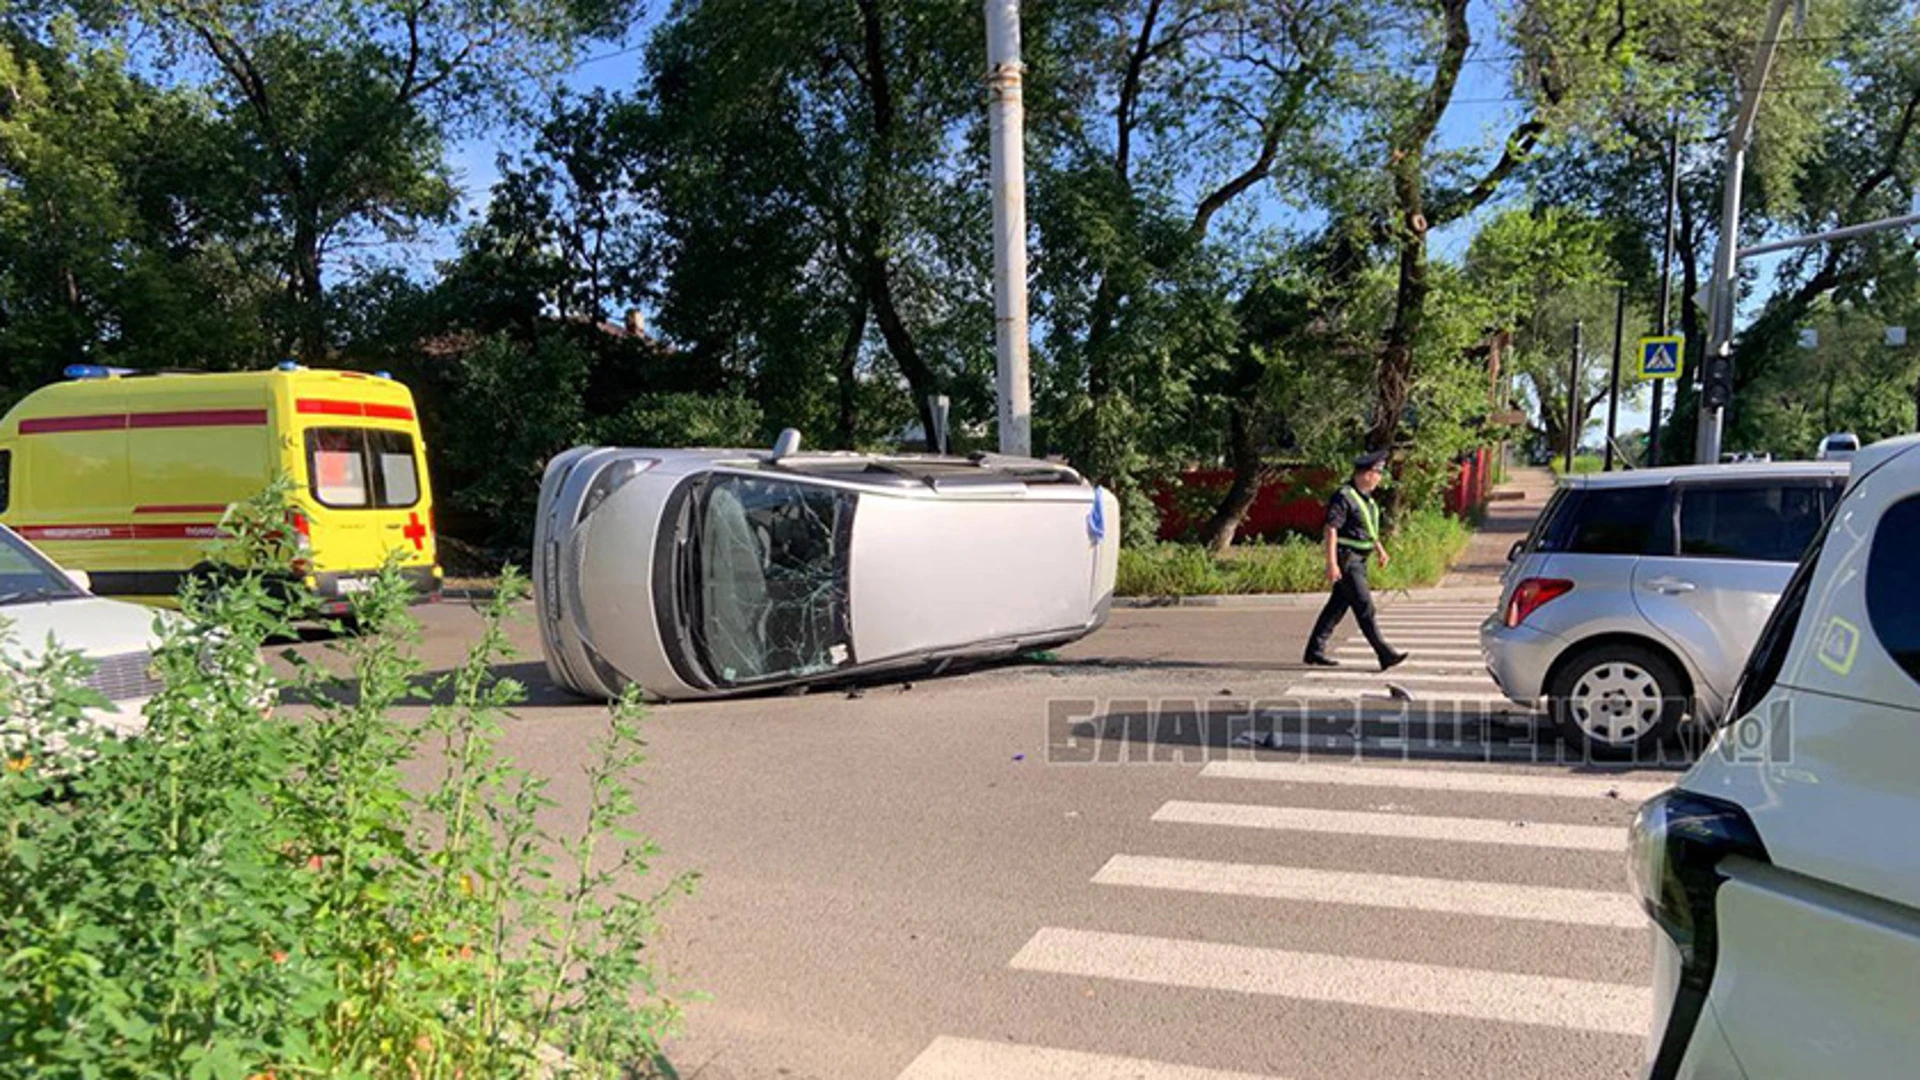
(90,625)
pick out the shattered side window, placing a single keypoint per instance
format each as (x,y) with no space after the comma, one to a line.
(771,576)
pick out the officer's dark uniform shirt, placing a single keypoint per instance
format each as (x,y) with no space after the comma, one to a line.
(1342,518)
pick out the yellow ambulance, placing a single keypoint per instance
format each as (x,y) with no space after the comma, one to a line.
(126,474)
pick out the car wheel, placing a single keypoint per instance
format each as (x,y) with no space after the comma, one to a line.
(1617,701)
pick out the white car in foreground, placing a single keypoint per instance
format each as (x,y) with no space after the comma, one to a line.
(40,602)
(696,573)
(1783,872)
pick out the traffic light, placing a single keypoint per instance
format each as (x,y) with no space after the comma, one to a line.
(1718,387)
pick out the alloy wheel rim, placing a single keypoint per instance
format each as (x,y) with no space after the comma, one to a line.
(1616,702)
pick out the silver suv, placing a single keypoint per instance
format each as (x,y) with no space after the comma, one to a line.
(1633,603)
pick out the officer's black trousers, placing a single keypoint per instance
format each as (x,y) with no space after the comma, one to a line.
(1350,593)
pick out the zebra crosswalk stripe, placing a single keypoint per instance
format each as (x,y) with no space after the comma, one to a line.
(948,1058)
(1397,826)
(1581,907)
(1339,680)
(1570,1004)
(1630,792)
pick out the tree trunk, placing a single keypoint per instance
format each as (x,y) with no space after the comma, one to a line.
(900,344)
(848,375)
(1407,164)
(876,210)
(1396,357)
(308,293)
(1553,425)
(1248,473)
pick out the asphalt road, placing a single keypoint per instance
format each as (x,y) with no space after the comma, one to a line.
(1070,870)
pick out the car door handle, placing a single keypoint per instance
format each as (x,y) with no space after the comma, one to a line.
(1669,585)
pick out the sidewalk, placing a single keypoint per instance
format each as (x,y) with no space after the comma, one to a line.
(1508,519)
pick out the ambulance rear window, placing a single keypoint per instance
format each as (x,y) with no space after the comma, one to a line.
(397,480)
(361,468)
(337,467)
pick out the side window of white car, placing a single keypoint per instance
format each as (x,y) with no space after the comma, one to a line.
(1893,583)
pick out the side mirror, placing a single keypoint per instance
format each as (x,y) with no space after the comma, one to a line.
(1514,551)
(81,580)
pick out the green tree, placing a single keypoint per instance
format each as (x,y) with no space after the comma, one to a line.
(1429,188)
(510,407)
(338,114)
(1163,127)
(1541,270)
(119,240)
(811,217)
(1845,377)
(1833,145)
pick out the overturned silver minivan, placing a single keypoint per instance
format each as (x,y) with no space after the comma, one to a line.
(699,573)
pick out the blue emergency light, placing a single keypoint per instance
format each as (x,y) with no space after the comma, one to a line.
(94,371)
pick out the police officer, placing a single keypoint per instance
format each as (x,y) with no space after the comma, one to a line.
(1353,536)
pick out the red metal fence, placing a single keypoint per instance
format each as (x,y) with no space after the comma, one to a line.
(1294,499)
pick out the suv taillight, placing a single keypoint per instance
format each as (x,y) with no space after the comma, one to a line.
(1531,593)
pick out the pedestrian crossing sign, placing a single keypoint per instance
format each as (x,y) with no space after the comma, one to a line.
(1660,357)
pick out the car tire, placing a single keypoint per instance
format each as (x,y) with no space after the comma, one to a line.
(1617,701)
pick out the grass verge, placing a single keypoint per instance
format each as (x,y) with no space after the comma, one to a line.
(1582,463)
(1424,546)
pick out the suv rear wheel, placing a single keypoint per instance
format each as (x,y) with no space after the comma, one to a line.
(1617,701)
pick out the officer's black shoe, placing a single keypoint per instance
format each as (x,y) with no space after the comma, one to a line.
(1392,660)
(1320,661)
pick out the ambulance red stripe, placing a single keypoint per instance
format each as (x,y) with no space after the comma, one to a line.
(74,533)
(49,425)
(199,418)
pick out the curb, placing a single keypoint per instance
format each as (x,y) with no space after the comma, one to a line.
(1488,593)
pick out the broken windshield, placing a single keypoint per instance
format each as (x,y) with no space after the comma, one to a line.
(769,578)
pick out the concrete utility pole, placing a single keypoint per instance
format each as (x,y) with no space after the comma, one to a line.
(1719,353)
(1007,125)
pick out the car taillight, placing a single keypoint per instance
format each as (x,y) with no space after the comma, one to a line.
(1678,842)
(1530,594)
(302,540)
